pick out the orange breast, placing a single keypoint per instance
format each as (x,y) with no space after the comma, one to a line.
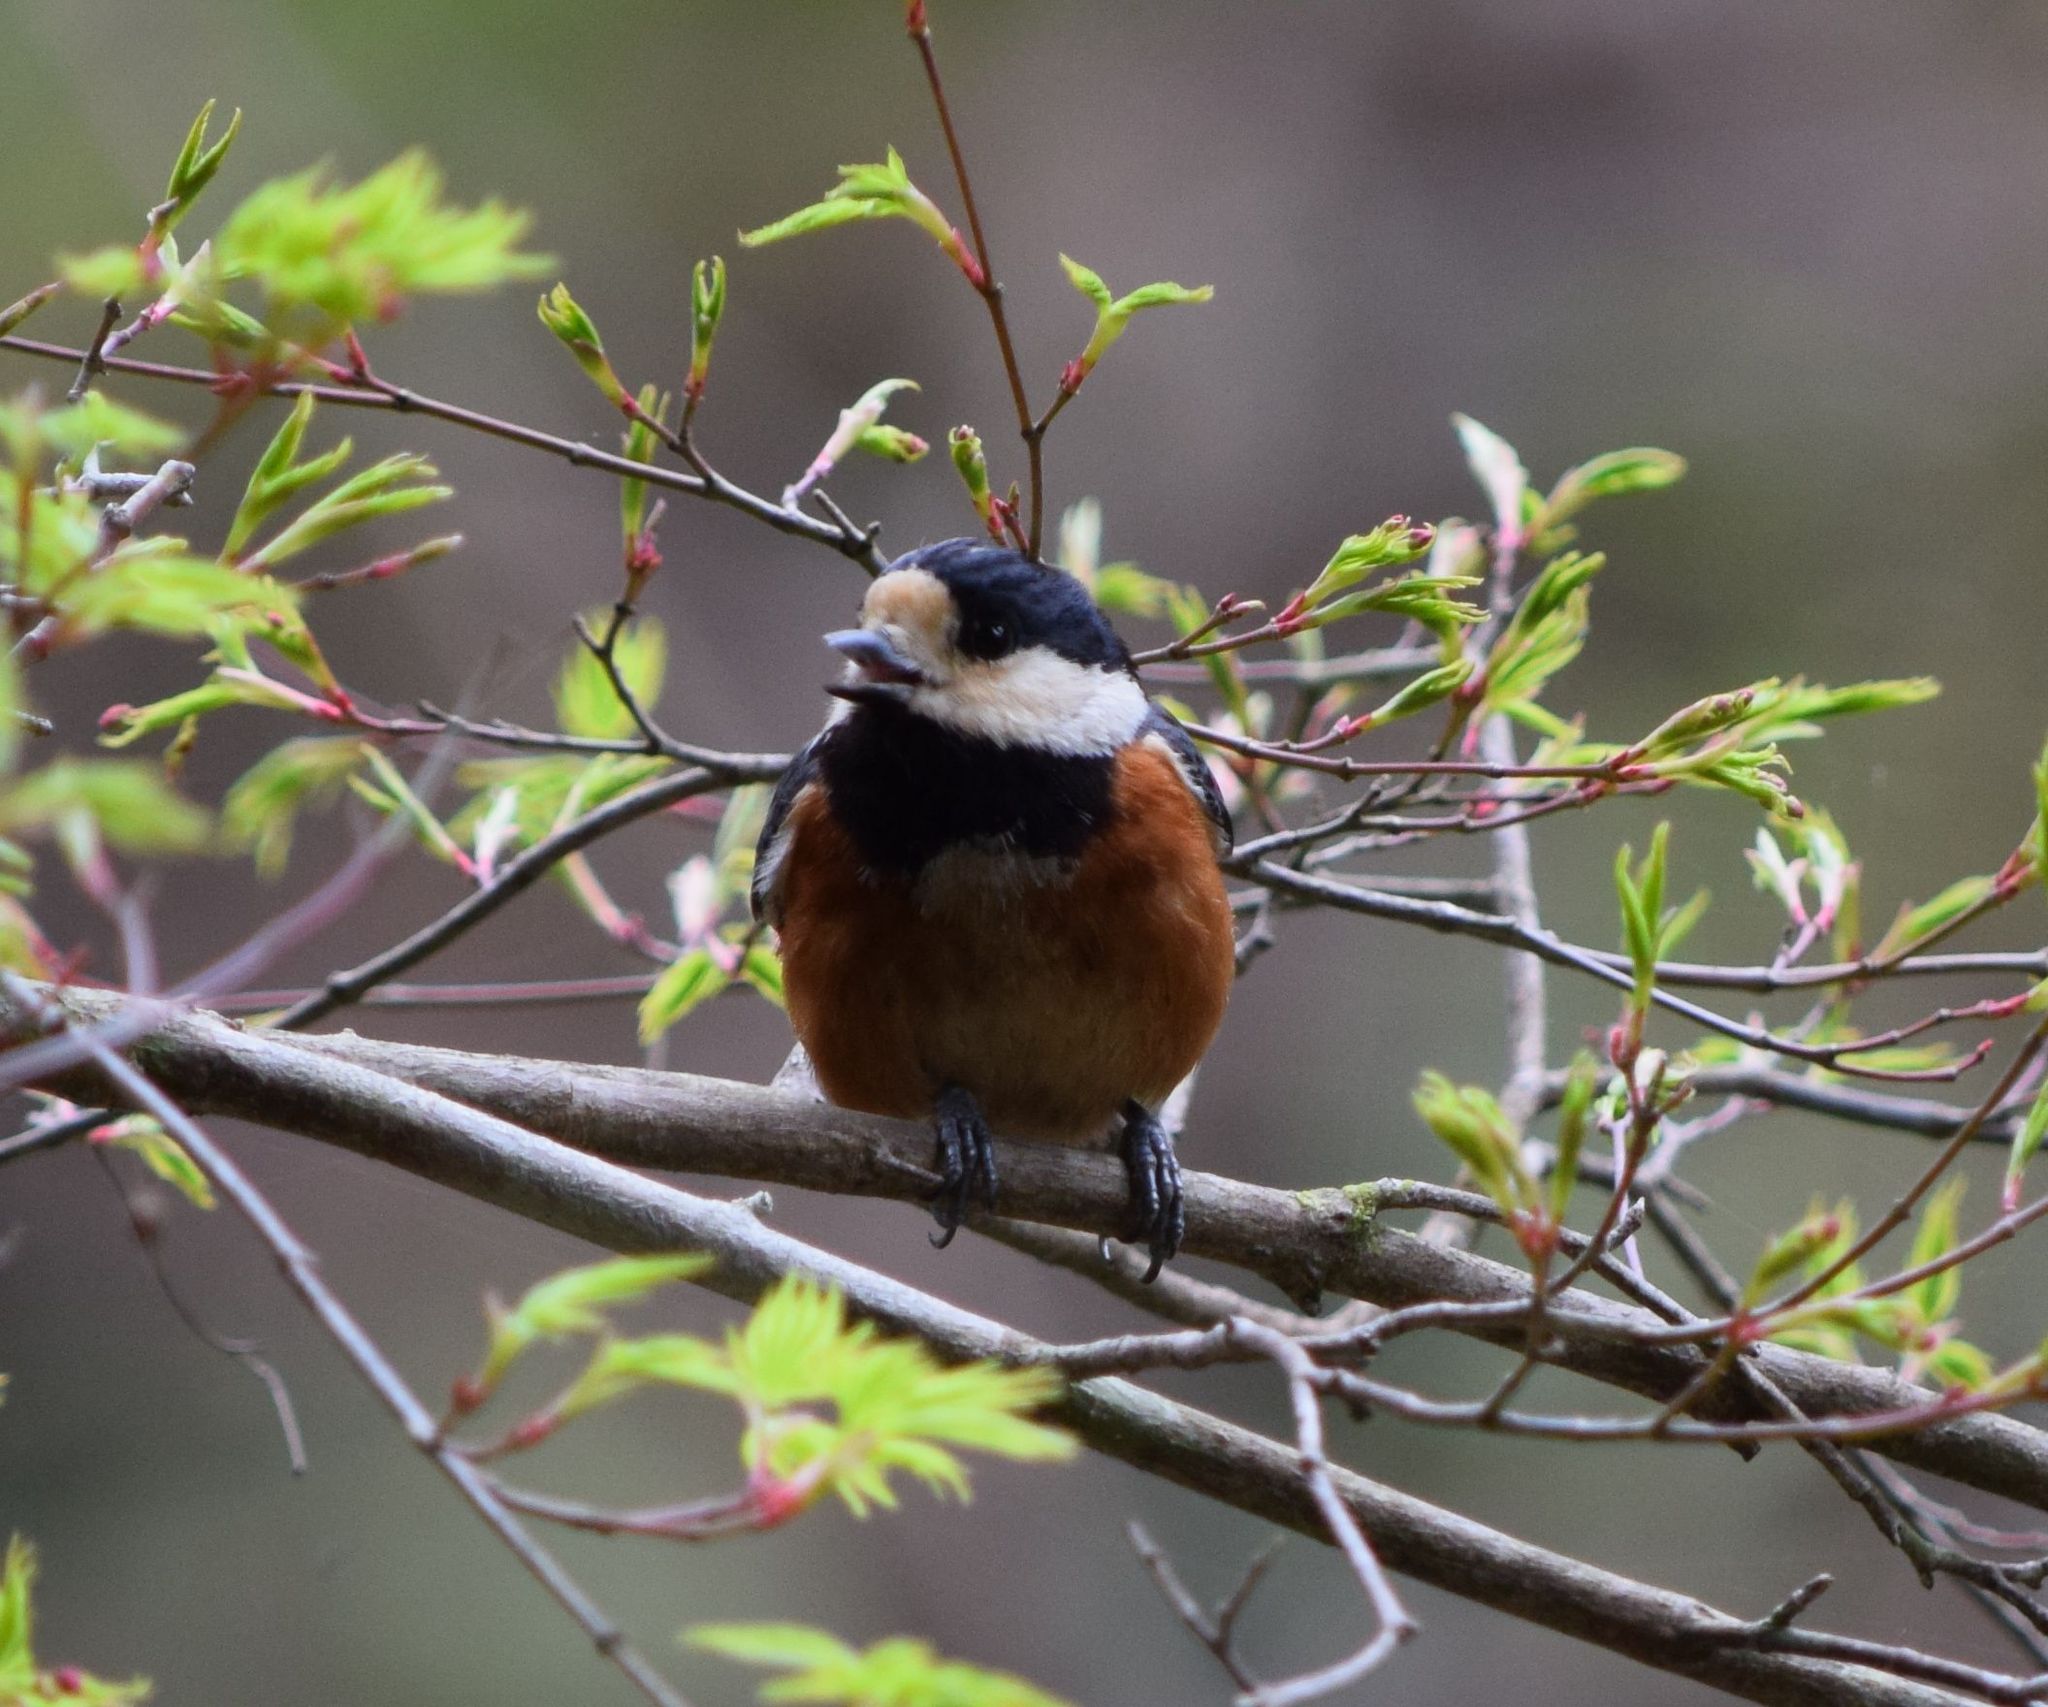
(1053,996)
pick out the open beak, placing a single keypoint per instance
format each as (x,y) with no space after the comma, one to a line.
(882,675)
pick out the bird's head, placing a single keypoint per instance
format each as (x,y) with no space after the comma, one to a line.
(992,647)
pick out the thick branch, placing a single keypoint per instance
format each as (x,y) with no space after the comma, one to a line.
(206,1061)
(1302,1242)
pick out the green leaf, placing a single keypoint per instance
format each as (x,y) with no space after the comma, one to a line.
(1916,923)
(1123,589)
(897,1408)
(1639,469)
(22,1684)
(1957,1363)
(262,807)
(97,420)
(162,1154)
(1113,316)
(853,430)
(1935,1298)
(685,984)
(196,166)
(874,191)
(388,488)
(1640,889)
(1573,1112)
(586,703)
(131,805)
(562,315)
(17,1655)
(1395,541)
(329,256)
(22,307)
(2025,1142)
(117,271)
(1545,633)
(707,308)
(1498,470)
(278,474)
(972,466)
(899,1672)
(152,586)
(891,443)
(1472,1125)
(575,1301)
(1427,689)
(771,1644)
(620,1367)
(640,445)
(1790,1251)
(122,725)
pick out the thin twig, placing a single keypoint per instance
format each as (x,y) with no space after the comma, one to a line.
(302,1269)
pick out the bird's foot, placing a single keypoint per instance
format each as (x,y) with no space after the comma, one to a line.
(967,1162)
(1156,1215)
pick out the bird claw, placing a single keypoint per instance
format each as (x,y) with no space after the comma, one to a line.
(1158,1218)
(967,1163)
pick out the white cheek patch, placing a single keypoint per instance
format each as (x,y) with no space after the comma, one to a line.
(1037,699)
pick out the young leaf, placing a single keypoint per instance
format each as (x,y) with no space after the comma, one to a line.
(562,315)
(1640,469)
(707,308)
(1935,1298)
(687,982)
(574,1302)
(129,804)
(278,474)
(153,587)
(330,256)
(882,191)
(162,1154)
(2025,1142)
(855,426)
(1580,1084)
(899,1672)
(972,467)
(96,421)
(388,488)
(587,704)
(897,1408)
(1789,1251)
(22,1682)
(1474,1128)
(22,307)
(1113,316)
(196,164)
(1499,472)
(262,806)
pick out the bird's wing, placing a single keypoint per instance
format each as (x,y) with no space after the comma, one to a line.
(1161,726)
(774,843)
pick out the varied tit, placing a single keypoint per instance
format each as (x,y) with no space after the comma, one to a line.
(994,875)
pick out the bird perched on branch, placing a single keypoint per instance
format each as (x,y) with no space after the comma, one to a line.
(994,875)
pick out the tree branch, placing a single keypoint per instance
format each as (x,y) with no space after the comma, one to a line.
(345,1090)
(203,1060)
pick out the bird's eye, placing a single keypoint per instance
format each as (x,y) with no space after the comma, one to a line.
(986,637)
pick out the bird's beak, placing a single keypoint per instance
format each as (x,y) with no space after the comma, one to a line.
(882,675)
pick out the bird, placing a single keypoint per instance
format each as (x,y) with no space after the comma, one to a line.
(995,881)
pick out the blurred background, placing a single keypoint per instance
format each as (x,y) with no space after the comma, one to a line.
(1799,242)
